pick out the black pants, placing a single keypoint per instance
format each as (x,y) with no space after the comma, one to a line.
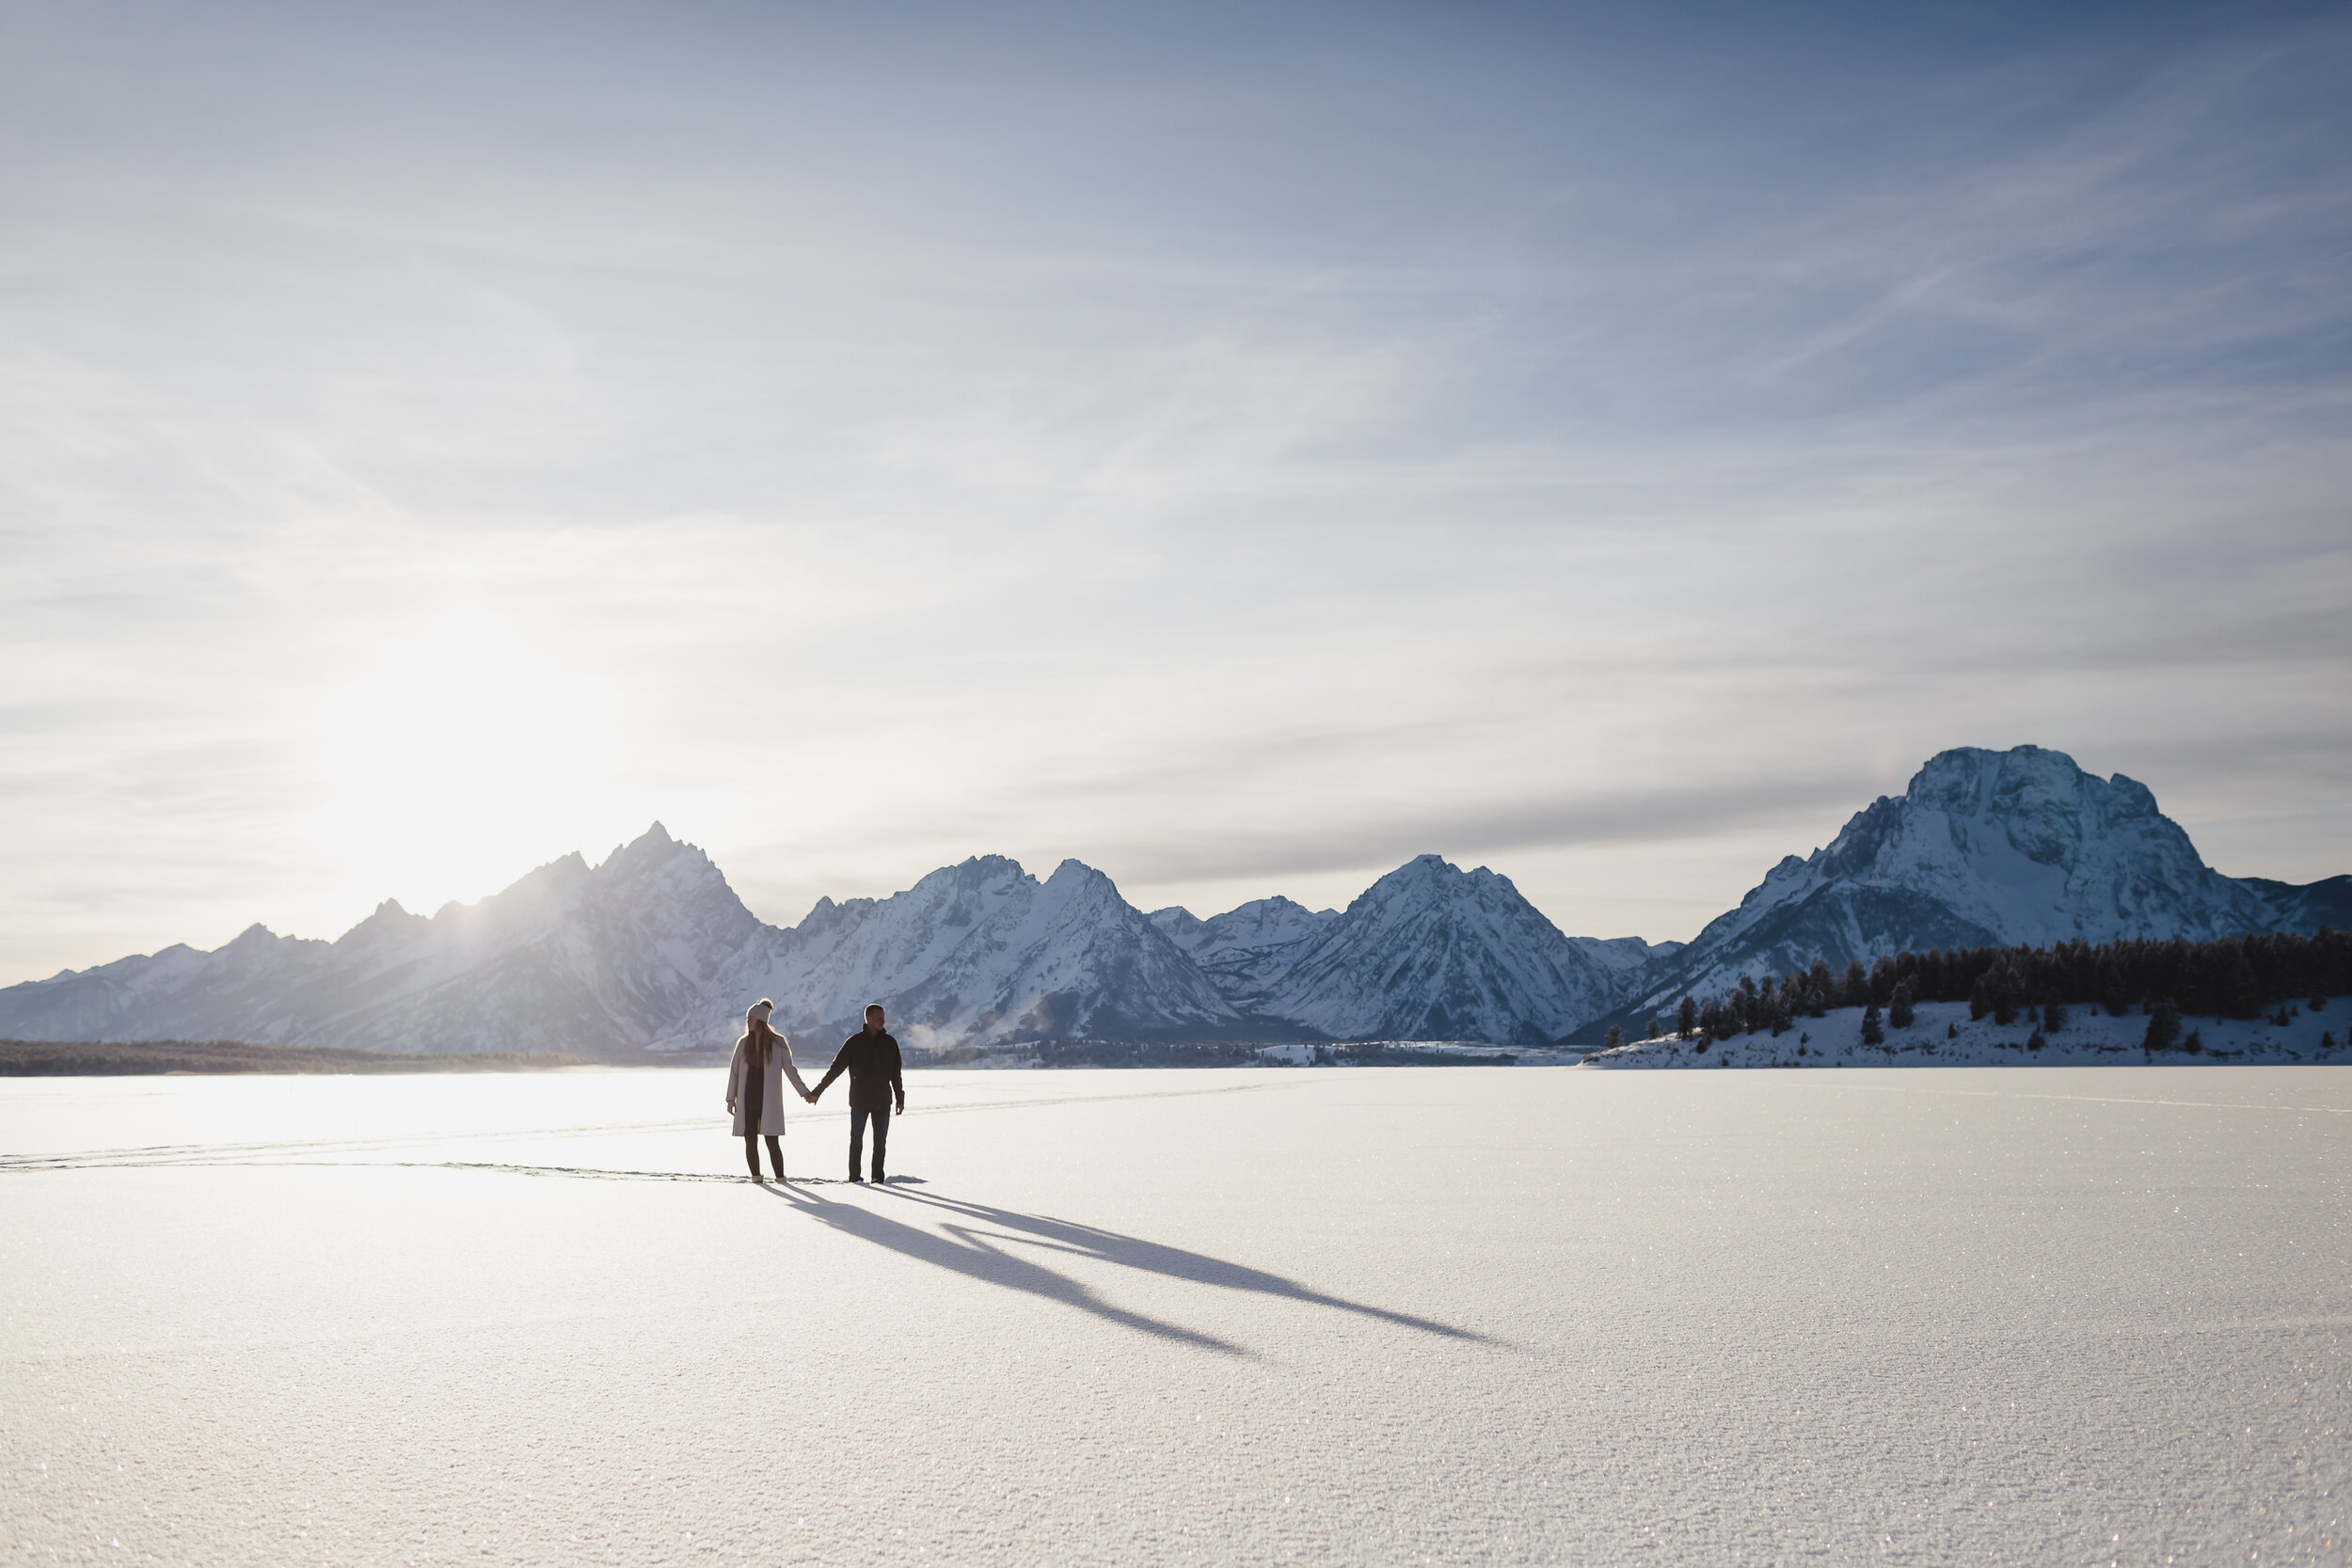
(857,1138)
(775,1153)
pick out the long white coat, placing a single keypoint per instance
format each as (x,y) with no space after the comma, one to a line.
(770,1090)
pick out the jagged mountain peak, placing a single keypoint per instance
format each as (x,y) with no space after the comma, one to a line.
(1248,946)
(650,853)
(1983,847)
(982,950)
(389,923)
(1433,951)
(1428,879)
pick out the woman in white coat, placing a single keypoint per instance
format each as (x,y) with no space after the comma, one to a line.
(763,1059)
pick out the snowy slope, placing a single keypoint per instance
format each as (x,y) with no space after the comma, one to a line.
(1984,847)
(2307,907)
(1943,1034)
(1430,951)
(982,952)
(1627,957)
(567,959)
(1247,949)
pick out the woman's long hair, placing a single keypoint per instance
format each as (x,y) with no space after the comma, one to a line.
(758,1038)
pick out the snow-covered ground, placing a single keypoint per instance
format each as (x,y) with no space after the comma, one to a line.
(1380,1316)
(1943,1034)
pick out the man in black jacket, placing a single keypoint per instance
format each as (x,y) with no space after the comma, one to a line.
(870,1057)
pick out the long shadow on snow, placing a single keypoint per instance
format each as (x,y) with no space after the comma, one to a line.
(969,1252)
(1092,1241)
(979,1255)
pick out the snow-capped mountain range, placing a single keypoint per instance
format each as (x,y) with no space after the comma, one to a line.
(1988,848)
(652,949)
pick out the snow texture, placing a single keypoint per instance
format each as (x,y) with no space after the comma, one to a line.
(1943,1034)
(1382,1317)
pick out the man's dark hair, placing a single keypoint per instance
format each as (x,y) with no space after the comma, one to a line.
(873,1008)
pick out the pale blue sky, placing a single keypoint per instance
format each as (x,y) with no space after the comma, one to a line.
(1241,449)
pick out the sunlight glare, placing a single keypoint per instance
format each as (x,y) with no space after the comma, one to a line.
(460,759)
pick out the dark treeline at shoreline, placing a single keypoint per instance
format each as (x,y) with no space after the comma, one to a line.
(2241,978)
(135,1058)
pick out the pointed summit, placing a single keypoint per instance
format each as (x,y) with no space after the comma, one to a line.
(1983,848)
(1433,952)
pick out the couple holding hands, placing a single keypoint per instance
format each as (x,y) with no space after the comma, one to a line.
(763,1060)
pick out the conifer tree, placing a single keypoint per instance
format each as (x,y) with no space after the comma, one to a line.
(1979,998)
(2241,990)
(1686,1018)
(2053,1016)
(1871,1033)
(1616,1038)
(2115,995)
(2163,1026)
(1898,1010)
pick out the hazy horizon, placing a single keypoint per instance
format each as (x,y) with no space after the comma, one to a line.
(1040,870)
(1238,449)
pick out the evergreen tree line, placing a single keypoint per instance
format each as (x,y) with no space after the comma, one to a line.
(2235,977)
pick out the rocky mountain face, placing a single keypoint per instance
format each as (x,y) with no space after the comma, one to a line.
(983,952)
(2305,907)
(1983,848)
(1244,950)
(1432,952)
(567,960)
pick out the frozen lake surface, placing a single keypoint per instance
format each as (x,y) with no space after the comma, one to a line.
(1378,1316)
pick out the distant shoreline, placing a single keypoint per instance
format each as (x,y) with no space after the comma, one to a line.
(154,1058)
(157,1058)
